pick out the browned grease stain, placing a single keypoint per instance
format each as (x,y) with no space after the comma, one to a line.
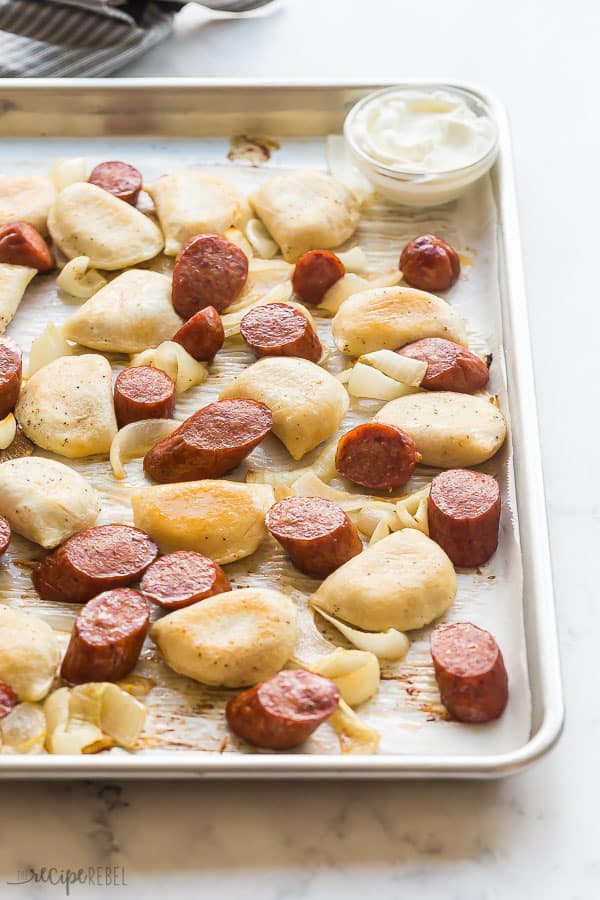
(251,149)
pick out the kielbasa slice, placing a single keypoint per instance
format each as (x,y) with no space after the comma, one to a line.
(107,637)
(211,442)
(209,271)
(22,245)
(464,515)
(182,578)
(8,699)
(315,272)
(284,710)
(95,560)
(470,672)
(143,392)
(450,367)
(316,534)
(5,534)
(377,456)
(11,371)
(118,178)
(429,263)
(276,329)
(202,335)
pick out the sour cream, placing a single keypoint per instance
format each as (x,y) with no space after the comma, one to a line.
(422,131)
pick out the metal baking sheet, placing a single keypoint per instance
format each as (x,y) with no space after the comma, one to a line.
(170,125)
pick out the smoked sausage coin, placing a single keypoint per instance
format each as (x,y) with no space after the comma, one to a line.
(315,272)
(143,392)
(95,560)
(5,534)
(316,534)
(276,329)
(377,456)
(107,637)
(202,335)
(284,710)
(450,367)
(211,442)
(464,515)
(470,672)
(209,271)
(182,578)
(22,245)
(11,371)
(430,263)
(118,178)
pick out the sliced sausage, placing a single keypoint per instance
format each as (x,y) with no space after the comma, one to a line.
(284,710)
(377,456)
(470,672)
(11,371)
(450,367)
(5,534)
(209,271)
(118,178)
(315,272)
(182,578)
(430,263)
(8,699)
(99,559)
(22,245)
(202,335)
(143,392)
(107,637)
(316,534)
(212,442)
(276,329)
(464,515)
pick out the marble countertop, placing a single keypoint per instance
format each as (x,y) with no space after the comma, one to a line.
(535,834)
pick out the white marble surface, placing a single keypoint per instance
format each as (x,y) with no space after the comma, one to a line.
(534,835)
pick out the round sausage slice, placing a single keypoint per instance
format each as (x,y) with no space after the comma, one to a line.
(276,329)
(22,245)
(430,263)
(202,335)
(377,456)
(464,515)
(209,271)
(182,578)
(8,699)
(470,672)
(11,370)
(107,637)
(316,534)
(450,367)
(99,559)
(315,272)
(5,534)
(212,442)
(119,179)
(284,710)
(143,392)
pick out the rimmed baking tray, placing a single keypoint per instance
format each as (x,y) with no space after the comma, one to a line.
(49,117)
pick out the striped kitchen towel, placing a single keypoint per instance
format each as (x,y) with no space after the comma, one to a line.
(87,37)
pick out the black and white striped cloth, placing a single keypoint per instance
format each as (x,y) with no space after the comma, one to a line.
(87,37)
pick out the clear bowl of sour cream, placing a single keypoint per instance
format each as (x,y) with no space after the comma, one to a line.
(422,145)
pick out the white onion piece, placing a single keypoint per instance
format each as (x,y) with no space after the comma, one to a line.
(371,515)
(354,736)
(272,265)
(122,716)
(400,368)
(92,717)
(356,673)
(261,240)
(69,170)
(77,279)
(370,384)
(23,730)
(342,167)
(134,440)
(50,345)
(390,644)
(354,260)
(310,485)
(389,278)
(343,288)
(235,236)
(381,530)
(8,430)
(173,359)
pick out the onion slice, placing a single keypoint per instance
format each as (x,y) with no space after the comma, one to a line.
(354,736)
(390,644)
(92,717)
(237,237)
(173,359)
(261,240)
(8,430)
(50,345)
(356,673)
(77,279)
(368,383)
(134,440)
(354,260)
(401,368)
(69,170)
(23,730)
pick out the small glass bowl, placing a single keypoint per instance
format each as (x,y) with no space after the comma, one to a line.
(419,188)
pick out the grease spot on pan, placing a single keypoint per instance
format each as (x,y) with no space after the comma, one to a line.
(251,149)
